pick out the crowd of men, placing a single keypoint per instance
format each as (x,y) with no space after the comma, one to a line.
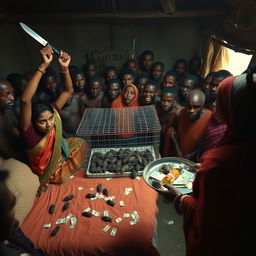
(185,101)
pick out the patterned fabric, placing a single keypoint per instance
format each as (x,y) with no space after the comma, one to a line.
(50,158)
(213,134)
(23,184)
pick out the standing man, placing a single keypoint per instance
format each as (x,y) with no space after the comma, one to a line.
(184,137)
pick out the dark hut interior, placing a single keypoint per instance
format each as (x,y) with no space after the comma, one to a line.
(111,31)
(83,27)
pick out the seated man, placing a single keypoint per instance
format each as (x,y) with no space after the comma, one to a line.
(93,99)
(150,94)
(188,83)
(166,109)
(10,143)
(19,82)
(114,90)
(183,138)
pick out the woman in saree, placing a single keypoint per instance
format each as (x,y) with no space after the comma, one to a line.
(53,158)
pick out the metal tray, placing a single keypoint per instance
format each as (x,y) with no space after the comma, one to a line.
(115,175)
(154,167)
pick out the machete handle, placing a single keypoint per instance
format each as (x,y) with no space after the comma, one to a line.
(55,49)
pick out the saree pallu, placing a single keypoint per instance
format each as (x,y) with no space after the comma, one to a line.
(54,159)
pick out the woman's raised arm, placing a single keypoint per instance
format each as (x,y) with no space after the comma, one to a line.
(30,90)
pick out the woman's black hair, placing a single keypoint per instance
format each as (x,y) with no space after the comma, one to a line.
(38,108)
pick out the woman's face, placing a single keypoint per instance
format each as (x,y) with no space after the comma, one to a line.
(129,95)
(45,122)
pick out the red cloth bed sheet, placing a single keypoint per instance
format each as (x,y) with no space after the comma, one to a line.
(88,237)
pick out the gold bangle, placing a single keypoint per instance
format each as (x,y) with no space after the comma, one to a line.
(40,70)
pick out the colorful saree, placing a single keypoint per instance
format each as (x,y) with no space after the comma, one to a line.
(54,159)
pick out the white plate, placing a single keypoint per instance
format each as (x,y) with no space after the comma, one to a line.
(152,169)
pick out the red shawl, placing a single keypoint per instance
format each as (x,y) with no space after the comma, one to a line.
(118,103)
(219,214)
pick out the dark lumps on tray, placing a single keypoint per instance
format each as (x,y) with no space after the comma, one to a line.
(120,161)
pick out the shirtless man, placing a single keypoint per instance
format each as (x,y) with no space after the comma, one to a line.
(114,90)
(111,72)
(127,76)
(10,143)
(156,71)
(93,99)
(70,113)
(146,61)
(79,81)
(50,88)
(19,82)
(170,79)
(150,93)
(89,69)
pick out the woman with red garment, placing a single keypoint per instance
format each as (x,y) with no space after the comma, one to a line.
(218,216)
